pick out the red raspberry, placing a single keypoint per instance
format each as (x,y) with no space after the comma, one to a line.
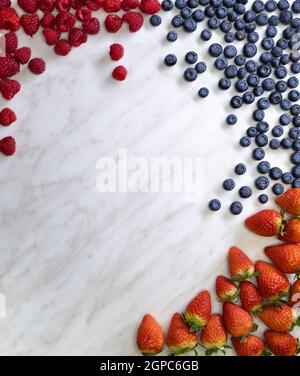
(113,23)
(111,6)
(149,6)
(119,73)
(29,6)
(23,55)
(116,51)
(61,5)
(83,14)
(5,3)
(8,66)
(135,20)
(11,42)
(77,37)
(9,88)
(62,47)
(48,20)
(91,26)
(75,4)
(8,145)
(30,24)
(9,19)
(94,4)
(65,21)
(129,4)
(7,117)
(46,5)
(51,36)
(37,65)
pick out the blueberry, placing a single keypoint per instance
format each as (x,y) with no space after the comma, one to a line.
(296,121)
(296,145)
(241,86)
(204,2)
(193,3)
(251,132)
(278,189)
(170,60)
(263,167)
(286,143)
(261,140)
(253,37)
(225,26)
(287,178)
(180,3)
(282,43)
(283,4)
(264,70)
(239,8)
(231,71)
(167,5)
(191,57)
(236,208)
(268,84)
(258,91)
(231,119)
(230,52)
(215,49)
(271,32)
(295,109)
(203,92)
(262,19)
(228,3)
(177,21)
(228,184)
(245,192)
(206,34)
(240,169)
(263,199)
(239,24)
(190,25)
(275,97)
(190,74)
(245,141)
(296,6)
(258,115)
(224,83)
(251,66)
(200,67)
(284,59)
(285,17)
(294,133)
(262,183)
(295,158)
(250,28)
(249,16)
(265,58)
(258,6)
(258,154)
(285,119)
(155,20)
(262,126)
(280,72)
(198,15)
(249,50)
(277,131)
(253,80)
(172,36)
(186,13)
(240,35)
(277,51)
(214,205)
(273,21)
(248,98)
(229,37)
(275,173)
(213,23)
(274,144)
(210,11)
(294,95)
(281,86)
(216,3)
(263,103)
(296,183)
(221,63)
(232,16)
(239,60)
(236,102)
(285,104)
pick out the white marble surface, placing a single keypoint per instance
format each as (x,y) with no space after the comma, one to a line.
(80,268)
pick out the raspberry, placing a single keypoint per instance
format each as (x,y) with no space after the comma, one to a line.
(77,37)
(116,51)
(9,19)
(65,21)
(83,14)
(51,36)
(119,73)
(29,6)
(7,117)
(48,20)
(62,5)
(8,145)
(37,65)
(23,55)
(129,4)
(8,66)
(149,6)
(113,23)
(94,4)
(62,47)
(30,24)
(46,5)
(11,42)
(9,88)
(111,6)
(92,26)
(5,3)
(75,4)
(135,20)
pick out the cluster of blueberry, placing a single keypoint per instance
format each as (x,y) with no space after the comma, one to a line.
(262,77)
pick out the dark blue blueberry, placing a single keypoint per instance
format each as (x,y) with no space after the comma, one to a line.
(198,15)
(281,86)
(274,144)
(224,83)
(193,3)
(232,16)
(273,21)
(271,32)
(230,52)
(249,16)
(262,183)
(180,3)
(263,199)
(284,59)
(277,51)
(262,19)
(295,109)
(258,91)
(253,80)
(191,57)
(287,178)
(203,2)
(277,131)
(258,154)
(231,71)
(275,173)
(225,26)
(275,62)
(155,20)
(210,11)
(190,74)
(215,49)
(266,58)
(241,86)
(206,34)
(245,192)
(231,119)
(216,3)
(239,24)
(278,189)
(261,140)
(294,95)
(213,23)
(267,43)
(296,183)
(275,97)
(236,102)
(221,12)
(186,13)
(190,25)
(221,63)
(285,17)
(203,92)
(172,36)
(294,133)
(283,4)
(282,43)
(248,97)
(285,119)
(258,6)
(264,71)
(240,35)
(240,169)
(263,167)
(229,37)
(263,103)
(228,3)
(251,132)
(250,28)
(245,141)
(268,84)
(249,50)
(281,72)
(200,67)
(167,5)
(239,8)
(253,37)
(242,73)
(214,205)
(228,184)
(240,60)
(296,121)
(296,6)
(285,104)
(295,157)
(293,82)
(258,115)
(251,66)
(286,143)
(170,60)
(177,21)
(236,208)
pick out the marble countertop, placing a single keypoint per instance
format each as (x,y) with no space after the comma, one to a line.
(80,268)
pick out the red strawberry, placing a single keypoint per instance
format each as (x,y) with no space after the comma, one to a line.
(22,55)
(9,19)
(251,298)
(238,322)
(30,24)
(11,42)
(198,311)
(8,145)
(272,283)
(281,344)
(214,336)
(249,346)
(291,233)
(150,338)
(51,36)
(278,319)
(240,266)
(135,20)
(9,88)
(225,289)
(290,201)
(7,117)
(265,223)
(294,295)
(149,6)
(179,338)
(285,256)
(29,6)
(8,66)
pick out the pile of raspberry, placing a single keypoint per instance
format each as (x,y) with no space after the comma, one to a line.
(65,24)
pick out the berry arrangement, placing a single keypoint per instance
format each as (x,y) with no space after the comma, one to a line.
(272,300)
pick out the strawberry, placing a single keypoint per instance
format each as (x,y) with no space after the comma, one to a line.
(249,346)
(8,66)
(285,256)
(225,289)
(150,338)
(9,88)
(149,6)
(9,19)
(251,298)
(281,344)
(278,318)
(238,322)
(265,223)
(290,201)
(198,311)
(294,295)
(291,232)
(213,336)
(30,24)
(240,266)
(272,283)
(179,338)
